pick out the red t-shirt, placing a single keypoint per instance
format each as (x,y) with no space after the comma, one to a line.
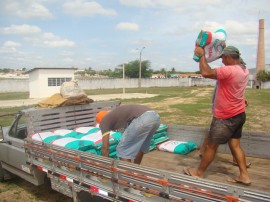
(229,97)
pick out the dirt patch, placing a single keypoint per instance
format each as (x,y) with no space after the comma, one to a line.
(17,189)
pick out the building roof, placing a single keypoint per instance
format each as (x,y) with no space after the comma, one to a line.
(50,68)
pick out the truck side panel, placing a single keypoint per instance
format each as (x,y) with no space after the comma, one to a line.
(68,117)
(113,179)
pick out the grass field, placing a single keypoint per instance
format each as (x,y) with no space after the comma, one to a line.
(178,105)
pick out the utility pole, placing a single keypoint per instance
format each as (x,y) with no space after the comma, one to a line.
(140,69)
(124,91)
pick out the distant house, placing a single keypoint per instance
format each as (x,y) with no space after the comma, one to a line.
(190,76)
(173,76)
(158,76)
(44,82)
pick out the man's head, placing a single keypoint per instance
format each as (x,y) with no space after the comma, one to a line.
(100,115)
(231,50)
(231,56)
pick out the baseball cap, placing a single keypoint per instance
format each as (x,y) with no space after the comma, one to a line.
(231,50)
(100,115)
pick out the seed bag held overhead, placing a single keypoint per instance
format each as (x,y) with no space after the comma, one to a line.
(213,44)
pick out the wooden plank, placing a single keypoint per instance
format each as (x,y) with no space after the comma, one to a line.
(68,117)
(255,144)
(220,170)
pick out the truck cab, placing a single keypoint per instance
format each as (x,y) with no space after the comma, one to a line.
(12,151)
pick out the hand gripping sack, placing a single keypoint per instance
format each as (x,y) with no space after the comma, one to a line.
(213,44)
(71,89)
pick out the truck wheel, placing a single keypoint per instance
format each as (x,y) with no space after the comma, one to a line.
(5,175)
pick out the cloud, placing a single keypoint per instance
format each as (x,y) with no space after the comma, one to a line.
(20,29)
(138,3)
(127,26)
(27,9)
(11,44)
(57,43)
(84,8)
(9,47)
(242,27)
(49,40)
(35,36)
(166,3)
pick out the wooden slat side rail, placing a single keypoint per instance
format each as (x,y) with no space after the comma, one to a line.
(255,144)
(68,117)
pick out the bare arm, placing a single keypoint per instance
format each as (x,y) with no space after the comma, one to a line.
(205,69)
(105,143)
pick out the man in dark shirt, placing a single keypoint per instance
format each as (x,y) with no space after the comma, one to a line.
(138,124)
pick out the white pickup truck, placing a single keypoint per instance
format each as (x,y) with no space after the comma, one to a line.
(86,176)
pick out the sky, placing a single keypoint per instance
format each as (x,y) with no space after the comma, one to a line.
(103,34)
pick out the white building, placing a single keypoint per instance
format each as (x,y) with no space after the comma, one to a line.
(44,82)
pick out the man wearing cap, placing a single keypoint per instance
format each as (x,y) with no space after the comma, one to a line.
(138,123)
(228,111)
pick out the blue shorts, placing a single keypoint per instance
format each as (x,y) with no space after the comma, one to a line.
(137,136)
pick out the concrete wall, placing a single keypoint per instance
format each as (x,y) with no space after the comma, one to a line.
(265,85)
(22,85)
(14,85)
(131,83)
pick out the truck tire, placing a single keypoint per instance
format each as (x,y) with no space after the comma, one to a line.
(5,175)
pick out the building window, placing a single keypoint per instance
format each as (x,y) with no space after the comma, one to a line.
(57,81)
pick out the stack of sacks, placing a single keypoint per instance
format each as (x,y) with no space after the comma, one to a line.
(49,136)
(113,142)
(72,140)
(86,130)
(160,136)
(94,134)
(73,143)
(89,139)
(46,137)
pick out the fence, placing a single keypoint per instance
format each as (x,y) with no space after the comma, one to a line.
(21,85)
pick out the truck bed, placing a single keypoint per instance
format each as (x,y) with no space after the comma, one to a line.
(220,170)
(160,173)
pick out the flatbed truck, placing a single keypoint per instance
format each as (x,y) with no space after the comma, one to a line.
(86,176)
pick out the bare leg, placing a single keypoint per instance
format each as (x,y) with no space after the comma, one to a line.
(234,162)
(207,158)
(139,157)
(204,144)
(240,158)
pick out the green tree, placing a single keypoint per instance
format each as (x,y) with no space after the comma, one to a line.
(108,73)
(90,71)
(173,71)
(6,70)
(81,73)
(132,69)
(118,72)
(263,75)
